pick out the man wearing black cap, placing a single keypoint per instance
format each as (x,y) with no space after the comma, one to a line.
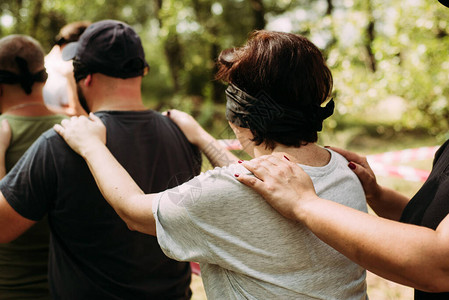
(93,255)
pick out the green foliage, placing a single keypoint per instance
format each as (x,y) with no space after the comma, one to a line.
(388,58)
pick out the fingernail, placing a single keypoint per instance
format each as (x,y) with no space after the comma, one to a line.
(286,158)
(236,175)
(240,161)
(351,166)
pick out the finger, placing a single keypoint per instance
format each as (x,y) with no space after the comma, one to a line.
(164,113)
(278,162)
(81,118)
(65,122)
(282,167)
(350,156)
(94,118)
(59,129)
(258,167)
(268,161)
(251,182)
(362,173)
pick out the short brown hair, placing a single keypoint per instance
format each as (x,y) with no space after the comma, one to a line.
(23,46)
(71,32)
(288,68)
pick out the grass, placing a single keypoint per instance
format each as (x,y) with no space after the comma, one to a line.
(368,141)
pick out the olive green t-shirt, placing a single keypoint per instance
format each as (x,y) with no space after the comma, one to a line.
(23,262)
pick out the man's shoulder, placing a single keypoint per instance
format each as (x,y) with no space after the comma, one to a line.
(50,139)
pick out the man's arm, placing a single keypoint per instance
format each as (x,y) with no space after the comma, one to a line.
(88,137)
(214,151)
(12,224)
(408,254)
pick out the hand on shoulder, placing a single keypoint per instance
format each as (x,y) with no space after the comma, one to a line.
(82,133)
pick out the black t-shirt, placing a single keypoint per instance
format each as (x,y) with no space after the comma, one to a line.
(431,204)
(93,255)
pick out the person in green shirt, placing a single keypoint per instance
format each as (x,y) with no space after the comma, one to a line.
(24,117)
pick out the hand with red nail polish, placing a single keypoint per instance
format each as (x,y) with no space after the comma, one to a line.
(360,166)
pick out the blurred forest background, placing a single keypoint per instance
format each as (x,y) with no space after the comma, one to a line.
(389,58)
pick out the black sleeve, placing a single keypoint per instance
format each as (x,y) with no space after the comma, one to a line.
(439,152)
(31,184)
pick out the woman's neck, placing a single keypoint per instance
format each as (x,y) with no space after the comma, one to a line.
(27,109)
(310,154)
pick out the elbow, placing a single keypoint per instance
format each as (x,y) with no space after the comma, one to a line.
(131,226)
(130,222)
(438,287)
(128,218)
(142,227)
(436,284)
(5,239)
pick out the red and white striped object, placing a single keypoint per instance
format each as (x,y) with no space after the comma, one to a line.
(403,172)
(403,156)
(382,164)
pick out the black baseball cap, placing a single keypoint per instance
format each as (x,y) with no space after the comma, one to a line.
(109,47)
(444,2)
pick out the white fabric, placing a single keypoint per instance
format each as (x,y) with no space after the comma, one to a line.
(55,90)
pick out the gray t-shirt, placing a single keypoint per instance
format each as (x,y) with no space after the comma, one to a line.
(246,249)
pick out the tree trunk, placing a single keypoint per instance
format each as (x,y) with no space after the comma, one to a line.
(330,7)
(217,88)
(36,17)
(19,26)
(172,49)
(333,41)
(157,8)
(370,35)
(259,14)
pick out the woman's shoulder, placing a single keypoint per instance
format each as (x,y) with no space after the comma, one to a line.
(224,175)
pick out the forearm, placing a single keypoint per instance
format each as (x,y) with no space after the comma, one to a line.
(388,203)
(120,190)
(214,151)
(407,254)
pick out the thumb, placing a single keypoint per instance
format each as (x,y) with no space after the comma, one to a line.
(94,118)
(361,172)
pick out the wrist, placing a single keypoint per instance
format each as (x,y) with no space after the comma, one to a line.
(92,150)
(304,207)
(376,194)
(202,139)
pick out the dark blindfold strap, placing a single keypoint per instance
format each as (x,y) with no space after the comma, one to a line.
(263,114)
(24,78)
